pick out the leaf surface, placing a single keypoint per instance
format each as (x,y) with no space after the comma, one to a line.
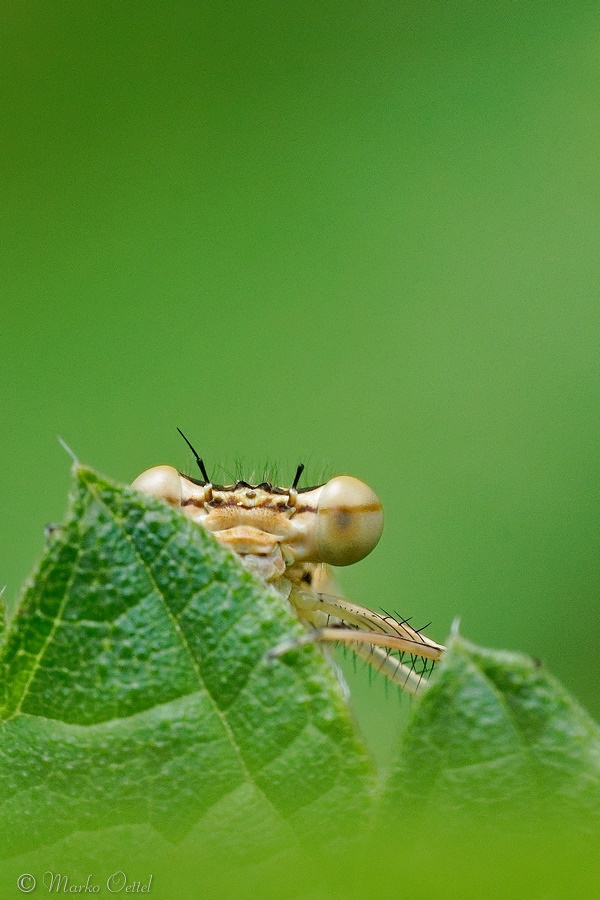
(496,735)
(136,689)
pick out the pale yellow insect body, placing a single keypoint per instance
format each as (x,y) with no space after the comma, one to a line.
(289,538)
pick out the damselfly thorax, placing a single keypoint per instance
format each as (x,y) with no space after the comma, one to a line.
(289,537)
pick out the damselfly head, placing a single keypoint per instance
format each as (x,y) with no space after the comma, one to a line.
(337,523)
(288,537)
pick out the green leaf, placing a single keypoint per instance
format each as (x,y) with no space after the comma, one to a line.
(136,690)
(139,707)
(496,735)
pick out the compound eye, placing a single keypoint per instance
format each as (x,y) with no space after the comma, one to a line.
(160,481)
(349,521)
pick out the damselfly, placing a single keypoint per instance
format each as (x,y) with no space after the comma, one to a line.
(290,537)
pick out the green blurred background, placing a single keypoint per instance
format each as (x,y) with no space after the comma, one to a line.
(362,236)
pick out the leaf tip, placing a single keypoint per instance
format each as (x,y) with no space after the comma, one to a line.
(455,628)
(67,449)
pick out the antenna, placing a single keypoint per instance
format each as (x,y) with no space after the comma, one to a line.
(299,472)
(197,458)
